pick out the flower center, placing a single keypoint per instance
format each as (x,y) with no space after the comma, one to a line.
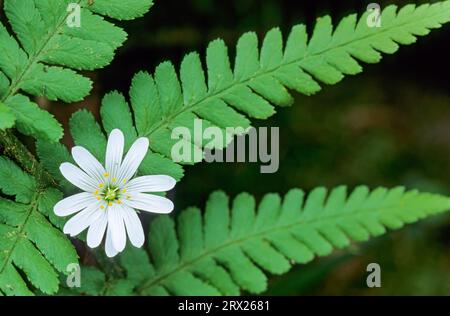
(110,194)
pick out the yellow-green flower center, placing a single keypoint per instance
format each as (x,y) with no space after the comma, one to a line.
(111,194)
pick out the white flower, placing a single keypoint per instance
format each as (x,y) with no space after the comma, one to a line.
(111,196)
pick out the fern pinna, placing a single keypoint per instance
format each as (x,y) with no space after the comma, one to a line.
(44,58)
(259,80)
(28,241)
(227,249)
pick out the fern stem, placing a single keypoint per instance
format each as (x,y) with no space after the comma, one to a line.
(15,149)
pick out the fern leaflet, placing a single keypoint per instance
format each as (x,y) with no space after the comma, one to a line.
(47,53)
(29,244)
(260,79)
(227,249)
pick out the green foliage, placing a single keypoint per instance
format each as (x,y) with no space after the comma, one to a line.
(228,248)
(42,57)
(32,250)
(259,80)
(47,54)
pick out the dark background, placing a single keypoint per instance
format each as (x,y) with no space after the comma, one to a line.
(388,126)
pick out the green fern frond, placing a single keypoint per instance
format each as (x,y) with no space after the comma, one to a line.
(227,249)
(44,56)
(260,79)
(32,250)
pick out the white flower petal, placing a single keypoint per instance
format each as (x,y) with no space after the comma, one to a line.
(117,226)
(82,220)
(114,153)
(97,231)
(109,247)
(133,159)
(149,203)
(88,163)
(77,177)
(134,227)
(74,204)
(157,183)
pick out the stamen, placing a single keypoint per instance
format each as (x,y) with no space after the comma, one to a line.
(110,204)
(106,174)
(101,185)
(114,180)
(124,191)
(128,197)
(98,198)
(102,207)
(119,202)
(96,192)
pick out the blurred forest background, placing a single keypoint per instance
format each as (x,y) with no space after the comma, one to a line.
(388,126)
